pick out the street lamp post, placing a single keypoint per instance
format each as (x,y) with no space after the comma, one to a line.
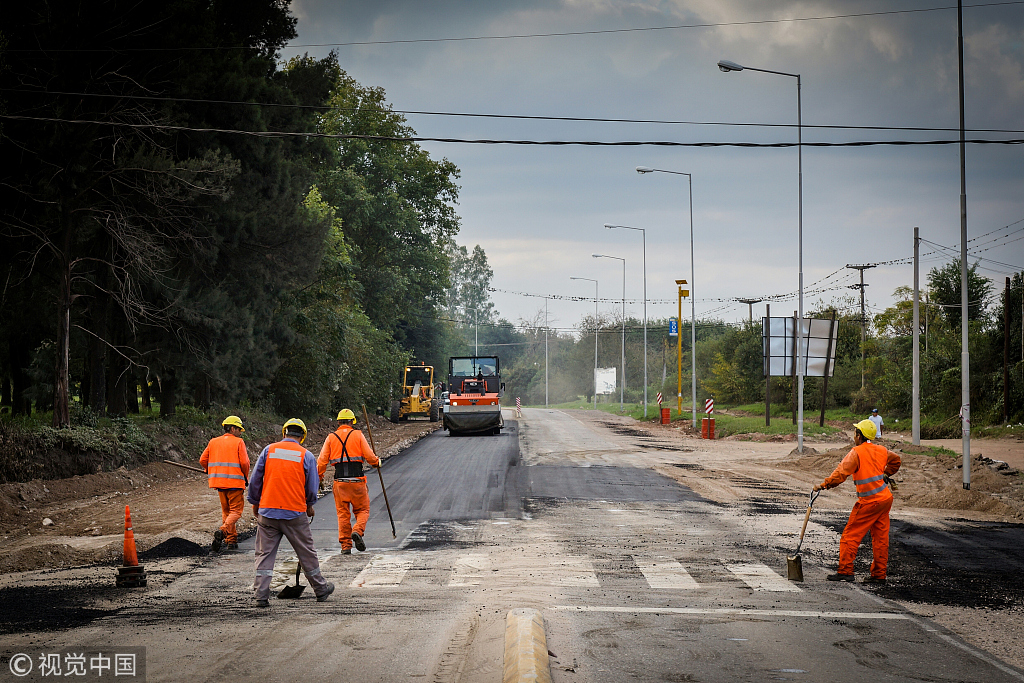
(693,314)
(595,331)
(622,384)
(644,233)
(727,66)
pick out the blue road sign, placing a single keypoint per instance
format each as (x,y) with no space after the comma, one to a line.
(673,327)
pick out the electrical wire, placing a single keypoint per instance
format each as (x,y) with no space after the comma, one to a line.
(527,117)
(556,143)
(560,34)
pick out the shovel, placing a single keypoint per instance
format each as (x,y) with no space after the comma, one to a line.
(292,592)
(794,565)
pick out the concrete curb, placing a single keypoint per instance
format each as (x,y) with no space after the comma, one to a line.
(526,649)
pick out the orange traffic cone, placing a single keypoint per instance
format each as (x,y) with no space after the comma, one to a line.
(132,574)
(131,557)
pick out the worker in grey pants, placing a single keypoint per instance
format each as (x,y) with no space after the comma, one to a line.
(282,492)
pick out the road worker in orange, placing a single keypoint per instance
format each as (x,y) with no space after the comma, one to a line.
(870,465)
(282,491)
(227,469)
(346,449)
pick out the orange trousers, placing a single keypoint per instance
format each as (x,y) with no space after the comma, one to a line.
(872,516)
(351,497)
(232,502)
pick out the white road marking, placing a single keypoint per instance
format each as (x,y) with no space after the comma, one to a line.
(383,570)
(469,570)
(696,611)
(761,578)
(664,572)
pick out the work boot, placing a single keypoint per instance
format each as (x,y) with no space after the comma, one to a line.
(358,540)
(873,579)
(326,594)
(218,540)
(346,551)
(840,577)
(263,603)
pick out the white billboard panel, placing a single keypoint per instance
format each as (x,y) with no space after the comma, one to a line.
(604,380)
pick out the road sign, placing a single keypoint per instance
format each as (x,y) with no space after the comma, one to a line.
(709,406)
(605,380)
(659,398)
(673,327)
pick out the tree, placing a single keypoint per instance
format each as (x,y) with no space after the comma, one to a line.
(944,284)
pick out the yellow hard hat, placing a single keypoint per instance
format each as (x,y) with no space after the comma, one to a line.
(867,428)
(233,421)
(295,422)
(347,414)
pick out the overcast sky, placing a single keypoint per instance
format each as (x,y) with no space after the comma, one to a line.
(539,211)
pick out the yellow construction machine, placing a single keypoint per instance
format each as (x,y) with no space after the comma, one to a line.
(418,395)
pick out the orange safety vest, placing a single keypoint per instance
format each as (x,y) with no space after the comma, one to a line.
(350,452)
(868,477)
(224,468)
(284,477)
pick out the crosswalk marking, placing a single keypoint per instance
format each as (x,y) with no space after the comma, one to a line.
(664,572)
(469,570)
(383,570)
(572,571)
(761,578)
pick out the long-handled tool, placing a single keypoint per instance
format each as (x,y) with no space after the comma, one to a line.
(794,565)
(394,534)
(292,592)
(196,469)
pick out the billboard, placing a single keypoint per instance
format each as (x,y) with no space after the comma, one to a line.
(779,345)
(604,380)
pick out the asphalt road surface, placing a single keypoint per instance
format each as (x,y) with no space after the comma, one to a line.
(637,578)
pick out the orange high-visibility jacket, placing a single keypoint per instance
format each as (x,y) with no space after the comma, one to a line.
(284,477)
(866,463)
(356,448)
(226,462)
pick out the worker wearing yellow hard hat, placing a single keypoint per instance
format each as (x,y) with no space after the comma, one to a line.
(870,465)
(282,491)
(227,470)
(347,450)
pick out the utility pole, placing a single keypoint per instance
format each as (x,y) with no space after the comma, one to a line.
(863,316)
(545,352)
(1006,353)
(750,307)
(965,353)
(915,430)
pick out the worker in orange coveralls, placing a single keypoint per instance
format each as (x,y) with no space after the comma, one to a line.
(346,449)
(870,465)
(227,469)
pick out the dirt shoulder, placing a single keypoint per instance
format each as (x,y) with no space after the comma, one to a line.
(86,513)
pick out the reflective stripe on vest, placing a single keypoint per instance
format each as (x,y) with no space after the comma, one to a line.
(223,471)
(873,459)
(284,478)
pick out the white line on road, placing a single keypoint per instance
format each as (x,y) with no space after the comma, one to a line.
(697,611)
(469,570)
(761,578)
(664,572)
(383,570)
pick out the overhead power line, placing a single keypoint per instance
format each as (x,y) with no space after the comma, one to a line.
(526,117)
(557,143)
(519,36)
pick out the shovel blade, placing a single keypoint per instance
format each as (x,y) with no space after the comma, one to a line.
(290,592)
(794,568)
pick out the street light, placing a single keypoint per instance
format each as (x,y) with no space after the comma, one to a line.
(595,332)
(644,233)
(727,66)
(622,384)
(693,311)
